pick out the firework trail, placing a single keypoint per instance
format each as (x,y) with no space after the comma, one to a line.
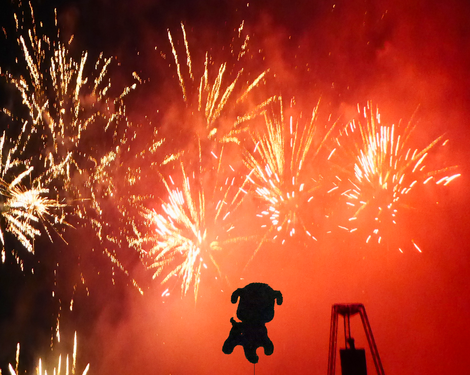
(285,170)
(70,131)
(191,225)
(24,201)
(215,99)
(74,129)
(40,370)
(383,169)
(195,221)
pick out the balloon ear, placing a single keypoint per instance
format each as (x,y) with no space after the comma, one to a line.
(235,295)
(278,297)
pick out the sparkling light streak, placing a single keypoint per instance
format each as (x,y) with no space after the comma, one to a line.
(70,129)
(190,226)
(196,219)
(24,203)
(79,159)
(284,169)
(68,368)
(68,112)
(383,169)
(211,97)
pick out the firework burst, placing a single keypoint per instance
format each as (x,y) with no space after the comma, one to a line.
(217,93)
(195,221)
(386,169)
(284,170)
(25,205)
(69,368)
(74,131)
(71,132)
(191,225)
(70,129)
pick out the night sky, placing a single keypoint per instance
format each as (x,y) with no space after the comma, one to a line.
(401,55)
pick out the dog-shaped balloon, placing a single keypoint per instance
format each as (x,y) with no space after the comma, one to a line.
(255,309)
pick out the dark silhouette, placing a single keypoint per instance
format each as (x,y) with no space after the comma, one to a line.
(255,309)
(353,360)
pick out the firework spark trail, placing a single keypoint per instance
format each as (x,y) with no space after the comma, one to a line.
(40,369)
(211,98)
(191,225)
(138,160)
(194,221)
(280,169)
(25,204)
(66,111)
(75,132)
(386,169)
(72,132)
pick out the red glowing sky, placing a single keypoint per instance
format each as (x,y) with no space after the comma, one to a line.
(401,55)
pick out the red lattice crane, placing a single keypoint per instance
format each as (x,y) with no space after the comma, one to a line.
(353,361)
